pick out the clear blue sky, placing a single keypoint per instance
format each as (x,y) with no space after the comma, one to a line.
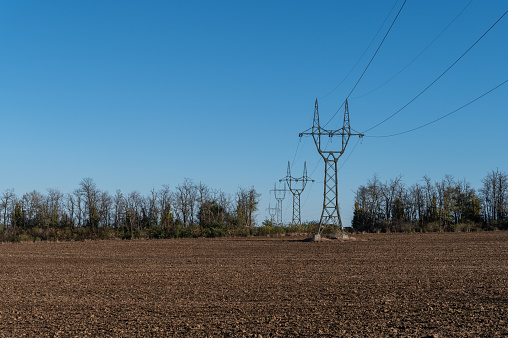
(137,94)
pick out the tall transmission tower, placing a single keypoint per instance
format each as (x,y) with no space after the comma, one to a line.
(280,194)
(296,185)
(330,214)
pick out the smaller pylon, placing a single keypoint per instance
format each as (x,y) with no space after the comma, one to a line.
(272,212)
(296,185)
(280,194)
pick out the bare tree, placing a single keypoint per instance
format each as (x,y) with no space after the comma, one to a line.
(494,195)
(166,216)
(70,207)
(91,196)
(224,202)
(431,213)
(119,212)
(186,196)
(33,205)
(389,190)
(247,201)
(133,211)
(153,208)
(80,208)
(105,208)
(5,203)
(53,207)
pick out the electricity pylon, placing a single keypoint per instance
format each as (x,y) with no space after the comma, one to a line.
(330,214)
(296,185)
(280,194)
(272,212)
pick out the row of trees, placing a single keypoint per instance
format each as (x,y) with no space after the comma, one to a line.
(165,213)
(431,206)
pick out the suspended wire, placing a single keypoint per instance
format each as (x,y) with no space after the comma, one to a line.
(365,51)
(303,147)
(443,73)
(298,154)
(368,65)
(442,117)
(329,140)
(308,194)
(416,57)
(312,173)
(347,158)
(294,157)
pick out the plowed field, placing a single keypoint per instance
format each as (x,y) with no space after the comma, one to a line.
(418,285)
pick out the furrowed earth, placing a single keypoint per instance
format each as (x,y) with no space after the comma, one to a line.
(417,285)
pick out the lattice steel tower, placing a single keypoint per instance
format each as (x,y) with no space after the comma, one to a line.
(280,194)
(272,212)
(296,185)
(330,214)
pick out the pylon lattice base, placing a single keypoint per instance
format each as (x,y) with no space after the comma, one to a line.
(330,214)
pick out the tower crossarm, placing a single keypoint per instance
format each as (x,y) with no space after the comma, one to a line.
(316,131)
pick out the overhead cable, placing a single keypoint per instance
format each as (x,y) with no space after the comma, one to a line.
(368,65)
(347,158)
(416,57)
(442,117)
(443,73)
(365,51)
(296,152)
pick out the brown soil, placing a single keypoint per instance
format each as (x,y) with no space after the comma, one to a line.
(418,285)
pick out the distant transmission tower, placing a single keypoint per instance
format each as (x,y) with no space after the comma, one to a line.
(280,194)
(296,185)
(330,214)
(272,212)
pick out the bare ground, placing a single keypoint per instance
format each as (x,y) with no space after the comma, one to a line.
(417,285)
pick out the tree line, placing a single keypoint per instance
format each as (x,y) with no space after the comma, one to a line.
(192,210)
(88,212)
(446,205)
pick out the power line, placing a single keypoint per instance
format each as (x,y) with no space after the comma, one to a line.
(308,194)
(417,56)
(365,51)
(347,158)
(442,117)
(301,151)
(443,73)
(368,65)
(294,157)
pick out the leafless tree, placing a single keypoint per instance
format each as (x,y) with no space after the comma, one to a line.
(133,211)
(6,203)
(494,194)
(53,207)
(166,215)
(186,197)
(151,203)
(33,205)
(70,207)
(389,192)
(105,208)
(80,208)
(119,212)
(91,196)
(247,201)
